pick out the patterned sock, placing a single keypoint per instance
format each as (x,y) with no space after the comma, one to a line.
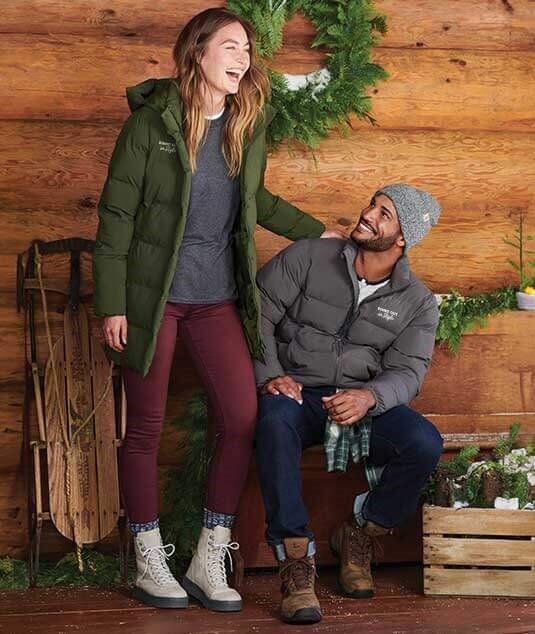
(211,519)
(141,527)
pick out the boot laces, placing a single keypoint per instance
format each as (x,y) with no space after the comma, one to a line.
(297,574)
(155,559)
(215,561)
(361,547)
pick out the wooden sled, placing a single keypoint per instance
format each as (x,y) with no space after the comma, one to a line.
(80,409)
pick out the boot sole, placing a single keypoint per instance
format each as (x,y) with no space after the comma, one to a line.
(159,602)
(354,594)
(304,616)
(216,606)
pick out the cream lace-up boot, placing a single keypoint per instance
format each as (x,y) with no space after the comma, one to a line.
(206,578)
(155,585)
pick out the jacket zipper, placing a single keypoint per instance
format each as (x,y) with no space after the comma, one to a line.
(340,336)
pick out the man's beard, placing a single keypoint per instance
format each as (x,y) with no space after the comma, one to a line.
(376,244)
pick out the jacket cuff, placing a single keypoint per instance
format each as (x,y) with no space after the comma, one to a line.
(260,384)
(379,407)
(316,229)
(307,228)
(264,374)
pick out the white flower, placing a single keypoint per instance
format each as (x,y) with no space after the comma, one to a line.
(319,79)
(476,465)
(519,452)
(506,504)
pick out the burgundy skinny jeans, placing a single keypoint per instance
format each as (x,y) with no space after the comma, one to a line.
(213,336)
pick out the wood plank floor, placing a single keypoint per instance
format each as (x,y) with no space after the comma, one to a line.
(398,608)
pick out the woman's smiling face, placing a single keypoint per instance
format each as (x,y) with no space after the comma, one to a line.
(225,61)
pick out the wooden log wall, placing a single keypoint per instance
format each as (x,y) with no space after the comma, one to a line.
(457,117)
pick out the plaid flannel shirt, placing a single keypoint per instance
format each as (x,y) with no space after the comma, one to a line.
(341,440)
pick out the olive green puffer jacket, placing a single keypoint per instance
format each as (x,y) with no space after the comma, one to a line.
(142,213)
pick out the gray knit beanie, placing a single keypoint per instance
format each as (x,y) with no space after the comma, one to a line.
(417,211)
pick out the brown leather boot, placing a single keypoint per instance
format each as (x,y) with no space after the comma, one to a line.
(354,547)
(297,572)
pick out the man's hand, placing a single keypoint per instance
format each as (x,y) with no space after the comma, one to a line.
(115,329)
(349,406)
(284,385)
(334,233)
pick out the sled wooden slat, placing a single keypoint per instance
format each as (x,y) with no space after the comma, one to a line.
(105,439)
(80,404)
(479,552)
(55,408)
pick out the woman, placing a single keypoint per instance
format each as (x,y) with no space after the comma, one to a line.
(175,255)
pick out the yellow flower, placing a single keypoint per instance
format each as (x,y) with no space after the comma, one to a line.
(530,290)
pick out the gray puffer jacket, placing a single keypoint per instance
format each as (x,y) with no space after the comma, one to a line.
(314,332)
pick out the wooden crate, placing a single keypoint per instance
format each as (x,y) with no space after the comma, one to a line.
(479,552)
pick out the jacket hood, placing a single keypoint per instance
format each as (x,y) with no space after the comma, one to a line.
(154,93)
(159,94)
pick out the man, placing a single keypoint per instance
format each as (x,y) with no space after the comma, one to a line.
(349,333)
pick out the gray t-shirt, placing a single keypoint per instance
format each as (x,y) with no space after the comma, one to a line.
(205,267)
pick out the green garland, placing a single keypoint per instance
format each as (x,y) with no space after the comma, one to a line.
(348,29)
(460,314)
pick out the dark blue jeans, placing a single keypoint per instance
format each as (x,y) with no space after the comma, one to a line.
(406,443)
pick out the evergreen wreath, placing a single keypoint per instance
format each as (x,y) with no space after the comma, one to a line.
(308,106)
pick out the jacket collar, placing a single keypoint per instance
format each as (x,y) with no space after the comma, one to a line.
(401,274)
(172,116)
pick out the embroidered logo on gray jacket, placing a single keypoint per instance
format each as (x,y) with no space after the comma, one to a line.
(384,313)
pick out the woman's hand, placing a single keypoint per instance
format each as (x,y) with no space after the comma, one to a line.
(334,233)
(115,331)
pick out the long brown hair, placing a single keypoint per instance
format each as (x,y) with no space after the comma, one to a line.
(244,106)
